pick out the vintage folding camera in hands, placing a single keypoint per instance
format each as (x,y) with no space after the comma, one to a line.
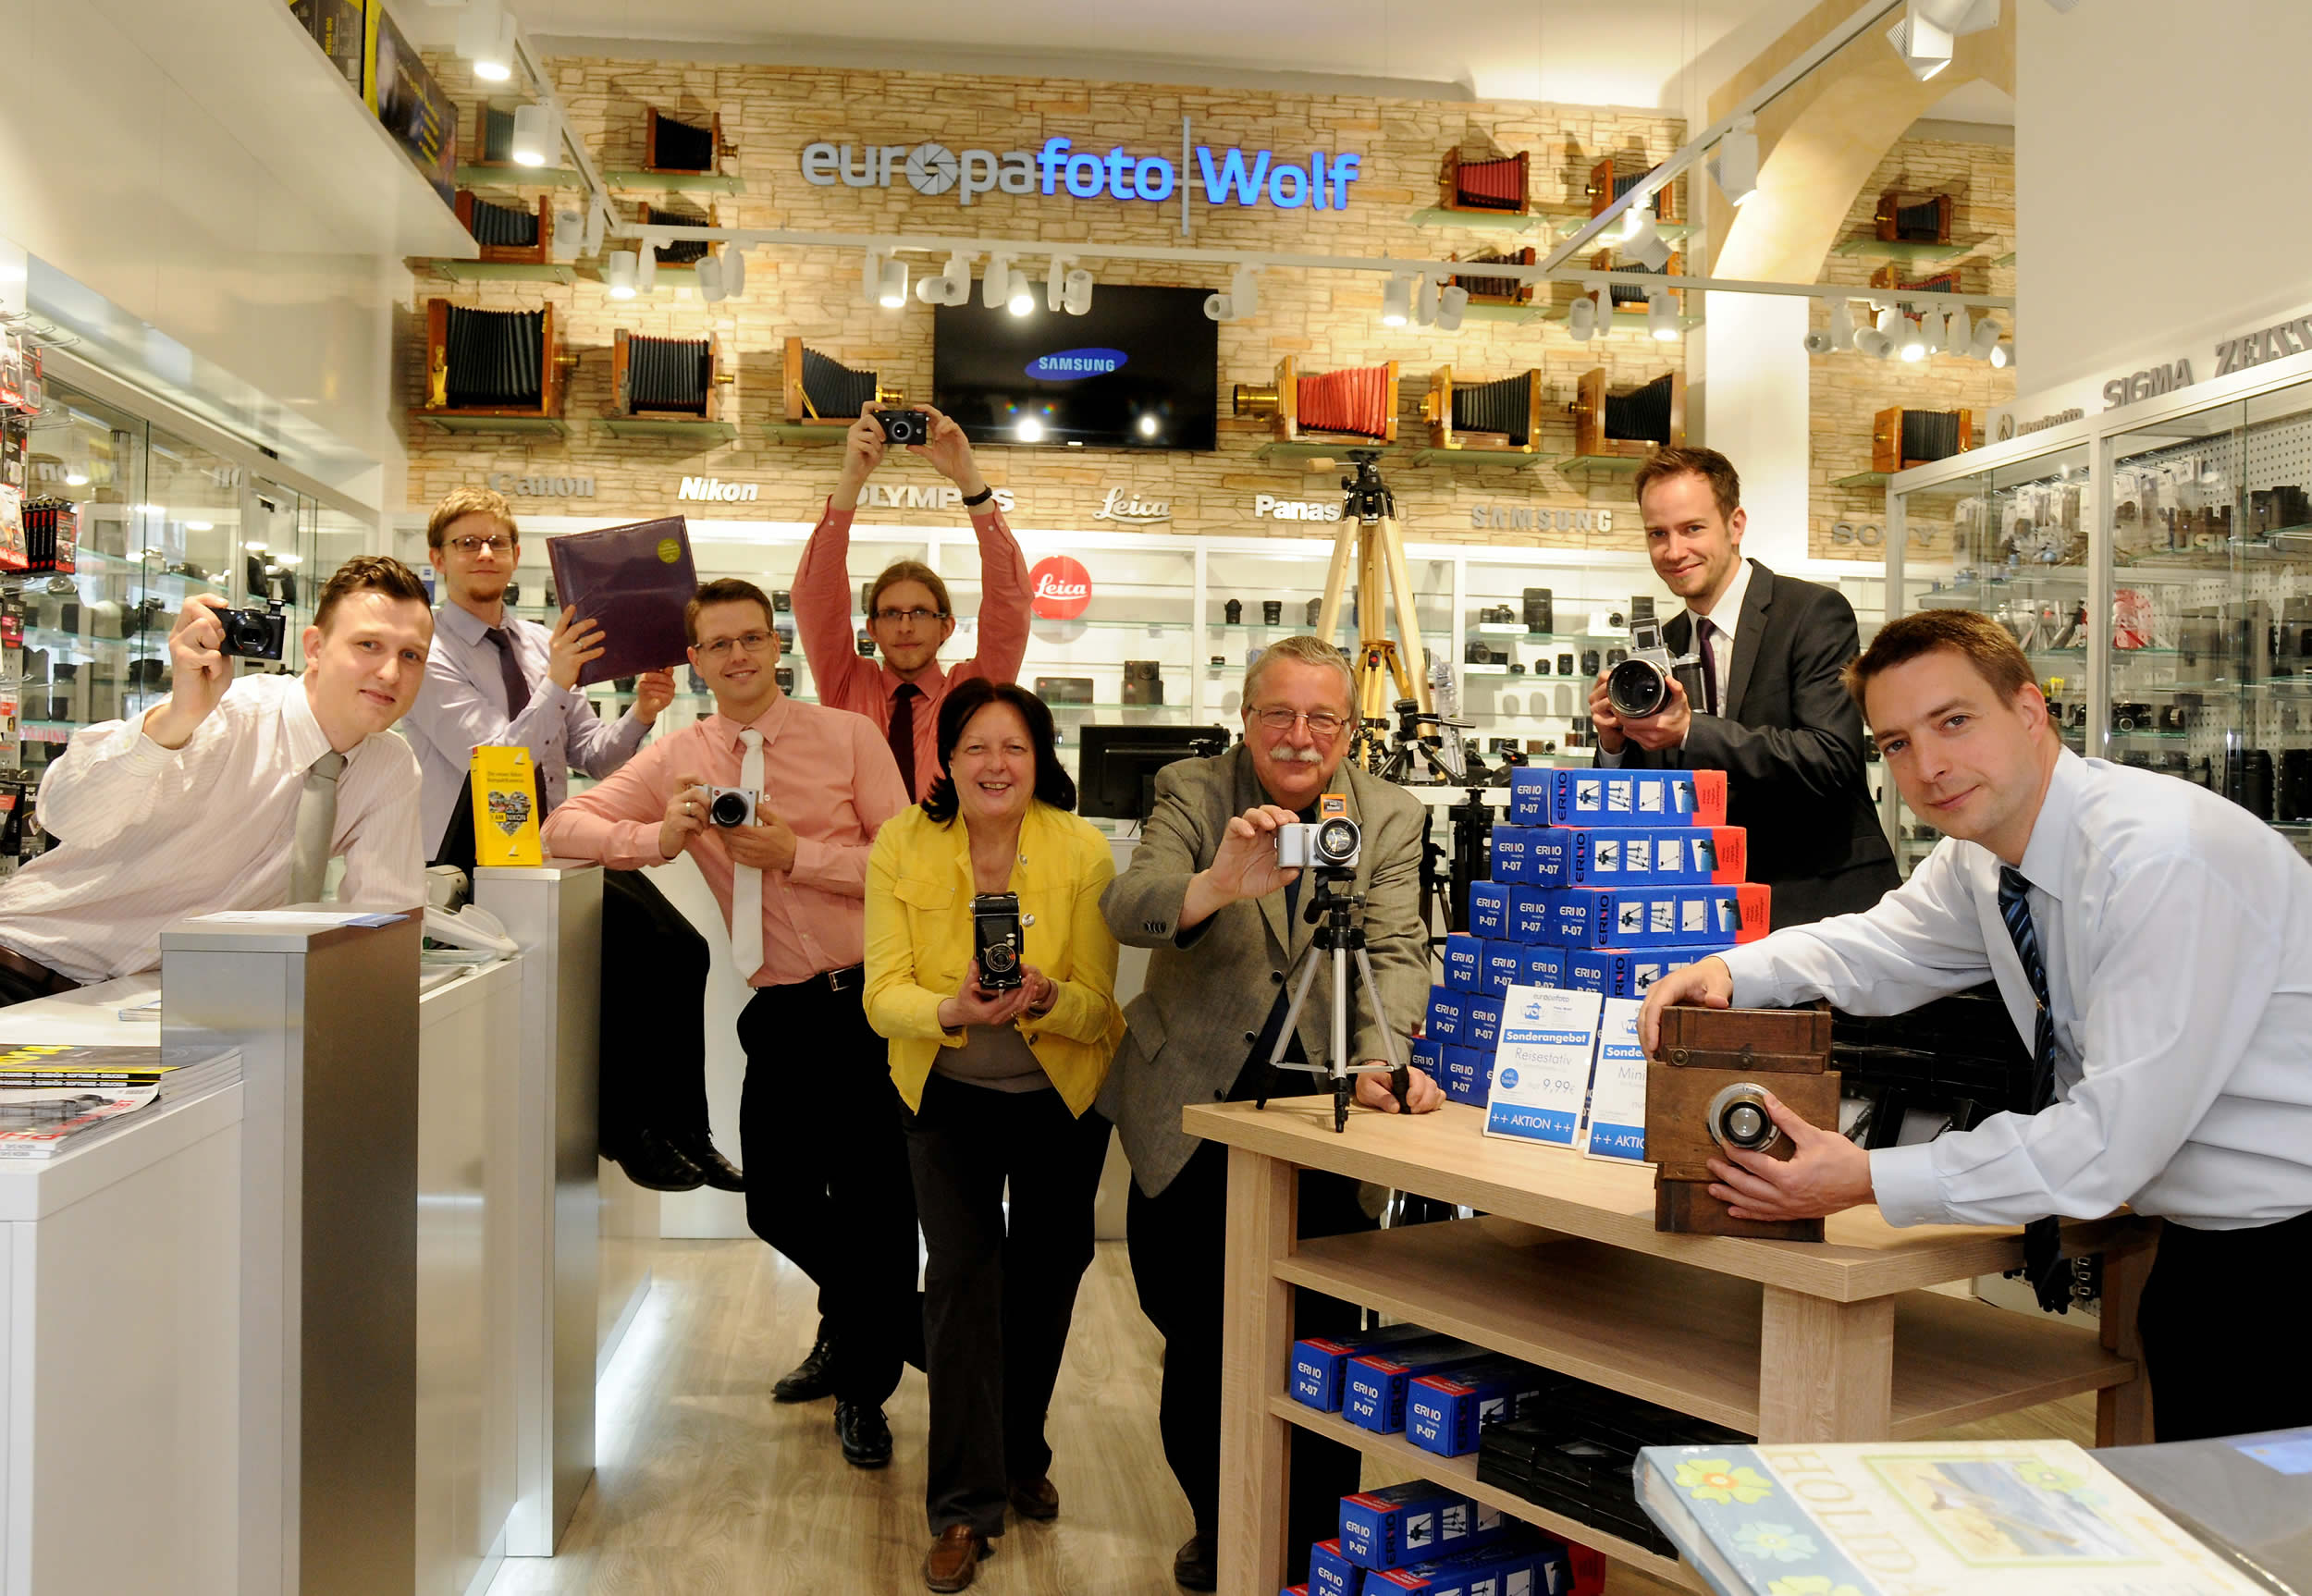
(254,633)
(997,940)
(729,806)
(1639,686)
(1705,1097)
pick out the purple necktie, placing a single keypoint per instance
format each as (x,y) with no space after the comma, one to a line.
(1703,630)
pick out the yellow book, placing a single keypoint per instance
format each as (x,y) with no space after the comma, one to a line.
(506,808)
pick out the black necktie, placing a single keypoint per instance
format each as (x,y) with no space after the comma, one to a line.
(517,694)
(902,734)
(1703,630)
(2043,1265)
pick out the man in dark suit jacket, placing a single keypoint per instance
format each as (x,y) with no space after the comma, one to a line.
(1775,717)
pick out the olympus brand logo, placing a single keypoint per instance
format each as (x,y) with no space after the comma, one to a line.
(1520,518)
(1130,507)
(714,489)
(541,486)
(1232,175)
(886,495)
(1295,508)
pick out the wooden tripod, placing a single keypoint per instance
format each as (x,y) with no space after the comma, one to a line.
(1386,669)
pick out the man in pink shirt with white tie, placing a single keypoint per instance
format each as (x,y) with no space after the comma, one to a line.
(908,612)
(830,1187)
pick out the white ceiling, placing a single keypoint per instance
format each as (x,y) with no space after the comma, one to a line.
(1638,53)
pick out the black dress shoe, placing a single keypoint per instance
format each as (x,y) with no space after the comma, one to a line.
(653,1163)
(720,1172)
(813,1377)
(1195,1567)
(867,1439)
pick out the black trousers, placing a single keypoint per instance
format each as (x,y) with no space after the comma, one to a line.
(654,1051)
(827,1179)
(997,1296)
(2223,1356)
(1178,1240)
(14,989)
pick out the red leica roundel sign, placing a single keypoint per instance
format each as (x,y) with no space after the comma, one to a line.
(1061,588)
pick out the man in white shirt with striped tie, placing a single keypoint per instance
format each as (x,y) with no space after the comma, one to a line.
(230,795)
(2153,943)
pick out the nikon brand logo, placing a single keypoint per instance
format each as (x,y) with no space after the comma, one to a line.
(714,489)
(1231,175)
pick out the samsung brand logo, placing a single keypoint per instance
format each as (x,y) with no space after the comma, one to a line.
(1073,365)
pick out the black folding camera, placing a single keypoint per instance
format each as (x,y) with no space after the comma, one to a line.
(902,427)
(254,633)
(997,940)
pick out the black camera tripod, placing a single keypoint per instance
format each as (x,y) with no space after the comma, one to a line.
(1335,914)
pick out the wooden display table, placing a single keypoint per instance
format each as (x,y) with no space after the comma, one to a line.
(1788,1341)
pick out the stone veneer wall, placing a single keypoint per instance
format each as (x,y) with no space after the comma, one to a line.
(1327,320)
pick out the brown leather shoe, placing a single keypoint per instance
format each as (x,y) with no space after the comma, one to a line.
(953,1561)
(1195,1567)
(1037,1498)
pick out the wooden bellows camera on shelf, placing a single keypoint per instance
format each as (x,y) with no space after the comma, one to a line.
(1705,1092)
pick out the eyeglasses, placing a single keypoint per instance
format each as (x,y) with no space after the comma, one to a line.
(470,546)
(1321,725)
(894,617)
(753,642)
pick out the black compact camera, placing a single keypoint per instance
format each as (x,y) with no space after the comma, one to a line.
(784,676)
(902,427)
(1143,682)
(781,601)
(1484,654)
(997,940)
(1499,615)
(866,645)
(2133,718)
(254,633)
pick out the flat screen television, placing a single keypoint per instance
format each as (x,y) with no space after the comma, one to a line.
(1141,370)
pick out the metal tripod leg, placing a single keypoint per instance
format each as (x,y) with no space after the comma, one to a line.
(1343,1081)
(1400,1075)
(1291,1018)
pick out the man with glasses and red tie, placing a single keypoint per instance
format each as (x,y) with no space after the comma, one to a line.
(1772,713)
(819,1114)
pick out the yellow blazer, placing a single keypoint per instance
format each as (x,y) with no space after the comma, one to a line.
(919,944)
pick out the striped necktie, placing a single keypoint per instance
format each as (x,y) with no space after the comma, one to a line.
(2043,1263)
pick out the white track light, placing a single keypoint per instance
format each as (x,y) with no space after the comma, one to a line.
(1642,242)
(1452,301)
(646,265)
(733,271)
(569,232)
(597,220)
(1959,333)
(485,37)
(2003,356)
(1931,331)
(952,287)
(1424,301)
(1581,320)
(1076,294)
(1055,282)
(1662,317)
(618,274)
(1734,164)
(1910,338)
(533,134)
(1022,298)
(1818,343)
(1242,300)
(1396,302)
(1878,340)
(887,281)
(1842,325)
(1923,46)
(710,280)
(996,282)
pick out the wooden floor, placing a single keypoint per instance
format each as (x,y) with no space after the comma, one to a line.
(704,1487)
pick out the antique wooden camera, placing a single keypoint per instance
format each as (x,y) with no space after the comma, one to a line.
(1705,1097)
(822,391)
(1606,184)
(1902,438)
(1919,221)
(1629,424)
(676,148)
(1502,184)
(1354,406)
(671,379)
(511,234)
(1505,414)
(501,365)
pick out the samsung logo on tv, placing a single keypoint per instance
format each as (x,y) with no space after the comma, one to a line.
(1072,365)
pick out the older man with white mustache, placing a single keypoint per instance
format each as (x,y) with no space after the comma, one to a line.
(1223,921)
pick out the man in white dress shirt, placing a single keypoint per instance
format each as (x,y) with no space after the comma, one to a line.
(2153,945)
(230,795)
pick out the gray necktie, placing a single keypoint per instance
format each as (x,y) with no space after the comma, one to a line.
(316,825)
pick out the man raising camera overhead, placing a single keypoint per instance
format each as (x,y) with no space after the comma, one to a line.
(1224,921)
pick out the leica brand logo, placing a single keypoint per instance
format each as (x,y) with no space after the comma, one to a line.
(1052,586)
(1059,589)
(1121,505)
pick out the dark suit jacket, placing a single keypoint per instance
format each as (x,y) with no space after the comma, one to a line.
(1791,741)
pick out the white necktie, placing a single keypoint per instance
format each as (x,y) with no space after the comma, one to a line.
(317,828)
(747,882)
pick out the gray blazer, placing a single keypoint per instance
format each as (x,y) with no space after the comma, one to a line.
(1209,989)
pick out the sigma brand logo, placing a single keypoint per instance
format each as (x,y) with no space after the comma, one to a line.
(541,486)
(1075,365)
(1232,175)
(714,489)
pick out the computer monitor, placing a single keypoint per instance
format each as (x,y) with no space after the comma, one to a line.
(1117,765)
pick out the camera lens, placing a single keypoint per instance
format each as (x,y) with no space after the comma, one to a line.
(1739,1121)
(1745,1123)
(1336,840)
(999,958)
(1637,688)
(728,809)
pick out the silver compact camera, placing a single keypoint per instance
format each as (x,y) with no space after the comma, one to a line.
(732,805)
(1640,686)
(1329,844)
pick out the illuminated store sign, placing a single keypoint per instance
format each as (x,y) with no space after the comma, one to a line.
(1234,176)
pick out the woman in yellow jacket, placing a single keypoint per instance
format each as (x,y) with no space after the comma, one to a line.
(999,1081)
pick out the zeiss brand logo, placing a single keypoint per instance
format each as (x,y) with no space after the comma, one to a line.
(1073,365)
(1234,176)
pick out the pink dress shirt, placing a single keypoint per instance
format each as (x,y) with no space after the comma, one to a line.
(826,772)
(823,597)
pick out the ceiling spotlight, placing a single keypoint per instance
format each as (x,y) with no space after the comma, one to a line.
(1029,430)
(1022,299)
(1451,301)
(1148,426)
(952,287)
(1662,317)
(569,233)
(1424,301)
(1636,222)
(2002,357)
(646,265)
(1642,241)
(996,282)
(1924,44)
(1818,343)
(734,270)
(1959,333)
(485,37)
(618,273)
(1581,320)
(1734,164)
(1910,338)
(597,220)
(1842,325)
(1878,341)
(1983,343)
(891,293)
(710,280)
(1075,297)
(534,133)
(1242,300)
(1931,331)
(1055,282)
(1396,302)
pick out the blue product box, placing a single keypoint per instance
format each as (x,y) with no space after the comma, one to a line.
(1513,852)
(1501,968)
(1468,1075)
(1412,1523)
(1429,1054)
(1444,1014)
(1464,962)
(1480,1024)
(1378,1381)
(1319,1362)
(1632,971)
(1331,1573)
(1616,798)
(1658,916)
(1647,855)
(1444,1412)
(1529,914)
(1489,910)
(1587,969)
(1519,1564)
(1542,966)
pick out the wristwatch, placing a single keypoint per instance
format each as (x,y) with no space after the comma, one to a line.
(973,501)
